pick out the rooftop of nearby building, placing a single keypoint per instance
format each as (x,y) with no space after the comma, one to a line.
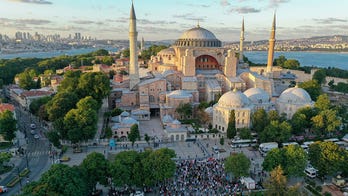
(6,106)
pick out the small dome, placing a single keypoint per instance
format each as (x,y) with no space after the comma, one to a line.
(295,96)
(167,51)
(233,99)
(209,110)
(167,119)
(129,121)
(124,114)
(198,33)
(257,95)
(179,94)
(176,122)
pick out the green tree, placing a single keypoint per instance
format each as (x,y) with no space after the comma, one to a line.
(275,131)
(87,103)
(54,137)
(100,52)
(238,165)
(108,132)
(26,80)
(231,126)
(126,53)
(331,83)
(108,60)
(273,159)
(116,112)
(59,180)
(279,61)
(326,121)
(95,84)
(61,104)
(70,82)
(320,76)
(159,166)
(184,110)
(134,134)
(323,102)
(222,141)
(147,138)
(327,157)
(245,133)
(4,157)
(276,185)
(312,87)
(123,170)
(295,160)
(259,120)
(35,105)
(273,115)
(96,167)
(298,123)
(8,125)
(291,64)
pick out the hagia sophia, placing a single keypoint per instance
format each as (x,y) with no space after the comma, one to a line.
(197,68)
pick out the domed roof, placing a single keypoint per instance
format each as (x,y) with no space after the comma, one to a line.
(295,95)
(167,51)
(209,110)
(176,122)
(257,95)
(179,94)
(129,121)
(124,114)
(233,99)
(198,33)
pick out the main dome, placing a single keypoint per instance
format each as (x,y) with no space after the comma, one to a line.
(257,95)
(198,37)
(234,99)
(295,96)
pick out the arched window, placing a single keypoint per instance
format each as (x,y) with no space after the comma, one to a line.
(152,98)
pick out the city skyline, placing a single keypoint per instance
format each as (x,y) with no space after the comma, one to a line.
(110,20)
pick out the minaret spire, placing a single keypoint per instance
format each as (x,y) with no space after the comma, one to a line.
(271,47)
(133,57)
(241,42)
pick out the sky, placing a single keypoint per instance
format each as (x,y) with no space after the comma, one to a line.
(168,19)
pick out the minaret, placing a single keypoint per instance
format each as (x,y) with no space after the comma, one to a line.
(133,57)
(271,48)
(241,43)
(142,44)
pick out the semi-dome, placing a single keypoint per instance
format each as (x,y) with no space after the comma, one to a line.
(257,95)
(129,121)
(167,51)
(233,99)
(179,94)
(198,37)
(295,95)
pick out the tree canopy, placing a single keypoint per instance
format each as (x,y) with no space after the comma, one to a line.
(312,87)
(276,132)
(238,164)
(134,134)
(231,126)
(8,125)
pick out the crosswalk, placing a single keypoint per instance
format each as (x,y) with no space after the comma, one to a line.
(38,153)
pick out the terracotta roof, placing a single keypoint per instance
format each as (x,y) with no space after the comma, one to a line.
(6,106)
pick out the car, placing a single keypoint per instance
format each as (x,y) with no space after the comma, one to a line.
(36,136)
(32,132)
(64,159)
(138,193)
(33,126)
(3,189)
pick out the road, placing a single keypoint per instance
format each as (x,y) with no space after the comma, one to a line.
(36,156)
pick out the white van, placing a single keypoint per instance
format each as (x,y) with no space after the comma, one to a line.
(311,172)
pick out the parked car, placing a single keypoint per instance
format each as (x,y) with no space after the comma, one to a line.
(32,132)
(3,189)
(36,136)
(33,126)
(65,159)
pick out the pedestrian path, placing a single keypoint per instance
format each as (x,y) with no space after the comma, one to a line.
(38,153)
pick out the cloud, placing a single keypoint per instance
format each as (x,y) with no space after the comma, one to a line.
(245,10)
(33,1)
(86,22)
(198,5)
(224,3)
(190,17)
(22,22)
(329,20)
(276,3)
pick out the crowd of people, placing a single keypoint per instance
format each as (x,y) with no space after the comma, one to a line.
(205,177)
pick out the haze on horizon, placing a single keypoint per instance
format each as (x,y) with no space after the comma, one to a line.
(162,21)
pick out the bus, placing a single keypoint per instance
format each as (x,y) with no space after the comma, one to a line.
(289,143)
(264,148)
(243,143)
(331,140)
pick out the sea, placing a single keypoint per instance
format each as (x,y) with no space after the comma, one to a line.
(317,59)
